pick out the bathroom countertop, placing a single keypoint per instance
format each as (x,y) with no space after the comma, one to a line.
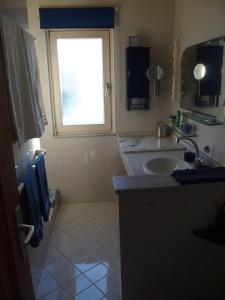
(132,144)
(126,183)
(135,150)
(134,161)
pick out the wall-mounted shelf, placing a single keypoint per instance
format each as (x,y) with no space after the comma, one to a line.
(179,131)
(204,119)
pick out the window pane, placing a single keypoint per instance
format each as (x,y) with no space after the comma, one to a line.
(81,80)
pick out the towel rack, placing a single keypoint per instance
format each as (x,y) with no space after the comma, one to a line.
(21,185)
(37,153)
(34,166)
(20,188)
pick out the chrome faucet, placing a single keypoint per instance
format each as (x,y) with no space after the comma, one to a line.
(197,156)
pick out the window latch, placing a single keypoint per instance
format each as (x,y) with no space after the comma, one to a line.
(107,89)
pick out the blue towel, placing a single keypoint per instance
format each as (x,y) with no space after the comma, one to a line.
(42,186)
(201,175)
(31,206)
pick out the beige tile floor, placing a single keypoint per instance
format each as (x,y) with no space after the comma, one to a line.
(82,261)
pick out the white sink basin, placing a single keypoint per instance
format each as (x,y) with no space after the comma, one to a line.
(164,165)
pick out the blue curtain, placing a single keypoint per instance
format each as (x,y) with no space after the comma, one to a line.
(95,17)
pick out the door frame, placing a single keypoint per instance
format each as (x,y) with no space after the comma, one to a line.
(15,278)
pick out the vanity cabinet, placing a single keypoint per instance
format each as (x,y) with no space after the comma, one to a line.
(161,258)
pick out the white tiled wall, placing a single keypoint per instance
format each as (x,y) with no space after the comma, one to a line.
(24,155)
(197,21)
(212,136)
(82,168)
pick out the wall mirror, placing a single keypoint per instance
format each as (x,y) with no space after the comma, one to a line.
(203,81)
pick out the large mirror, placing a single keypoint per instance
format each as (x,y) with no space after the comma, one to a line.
(203,80)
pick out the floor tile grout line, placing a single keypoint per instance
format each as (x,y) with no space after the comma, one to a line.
(73,263)
(44,295)
(59,286)
(94,284)
(72,240)
(99,288)
(100,261)
(61,251)
(82,273)
(40,280)
(80,291)
(80,225)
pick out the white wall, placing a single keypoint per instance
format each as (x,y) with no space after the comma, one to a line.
(82,168)
(196,21)
(24,155)
(17,11)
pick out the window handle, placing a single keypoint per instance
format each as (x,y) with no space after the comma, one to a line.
(107,89)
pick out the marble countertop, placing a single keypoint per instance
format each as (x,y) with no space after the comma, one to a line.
(136,150)
(135,161)
(130,183)
(147,143)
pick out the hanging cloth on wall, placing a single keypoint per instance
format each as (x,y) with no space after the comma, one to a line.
(42,187)
(23,82)
(33,72)
(31,206)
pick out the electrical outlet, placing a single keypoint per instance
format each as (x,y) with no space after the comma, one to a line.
(206,149)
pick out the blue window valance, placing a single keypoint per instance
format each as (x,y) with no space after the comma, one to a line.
(95,17)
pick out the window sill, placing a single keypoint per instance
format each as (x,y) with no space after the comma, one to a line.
(89,134)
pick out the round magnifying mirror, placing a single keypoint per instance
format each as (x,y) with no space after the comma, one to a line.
(159,72)
(199,71)
(155,72)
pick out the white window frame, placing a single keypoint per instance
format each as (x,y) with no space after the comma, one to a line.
(96,129)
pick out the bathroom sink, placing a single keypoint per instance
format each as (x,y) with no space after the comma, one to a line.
(164,165)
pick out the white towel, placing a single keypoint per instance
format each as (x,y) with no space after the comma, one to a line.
(33,70)
(24,88)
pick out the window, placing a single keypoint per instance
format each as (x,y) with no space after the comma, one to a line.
(81,80)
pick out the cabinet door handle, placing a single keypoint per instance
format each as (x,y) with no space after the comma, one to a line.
(30,228)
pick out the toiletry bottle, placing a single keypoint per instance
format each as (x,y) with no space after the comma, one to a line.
(181,120)
(178,118)
(171,120)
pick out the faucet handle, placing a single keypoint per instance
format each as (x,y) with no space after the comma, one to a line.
(198,163)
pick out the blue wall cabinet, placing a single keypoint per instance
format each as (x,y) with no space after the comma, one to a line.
(137,64)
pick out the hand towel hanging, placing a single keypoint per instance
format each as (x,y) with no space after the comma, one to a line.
(24,95)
